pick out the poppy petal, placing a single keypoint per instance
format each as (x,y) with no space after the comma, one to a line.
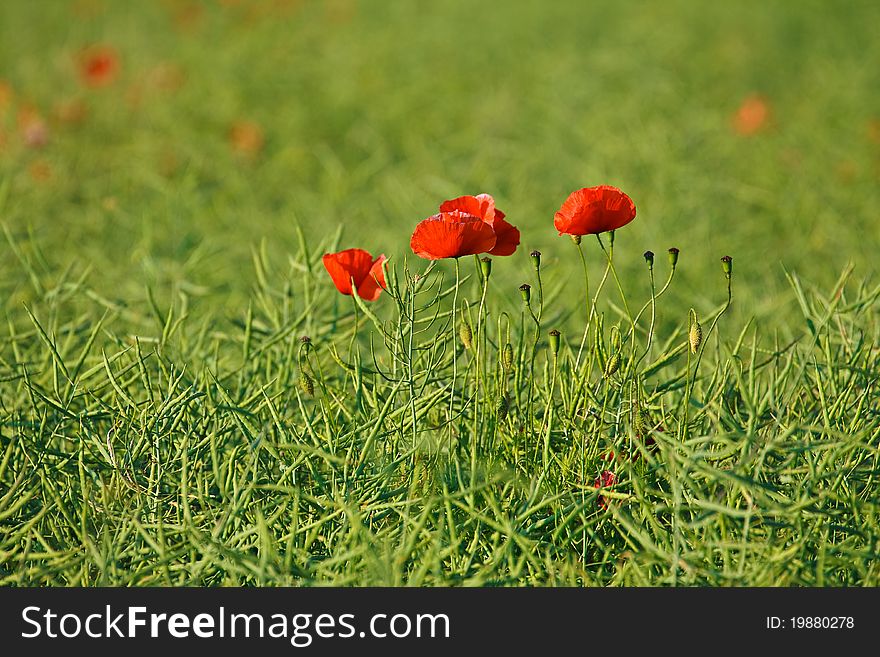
(594,210)
(506,236)
(371,287)
(467,204)
(451,235)
(347,265)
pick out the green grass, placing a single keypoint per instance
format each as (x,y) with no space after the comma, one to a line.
(157,426)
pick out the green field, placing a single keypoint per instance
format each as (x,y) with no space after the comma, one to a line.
(162,423)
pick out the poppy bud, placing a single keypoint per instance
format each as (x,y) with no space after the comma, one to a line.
(576,239)
(695,335)
(306,383)
(466,335)
(649,258)
(486,267)
(612,366)
(727,265)
(536,259)
(507,357)
(554,342)
(673,257)
(526,291)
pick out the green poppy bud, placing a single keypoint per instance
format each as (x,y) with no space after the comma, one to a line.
(554,342)
(486,267)
(536,259)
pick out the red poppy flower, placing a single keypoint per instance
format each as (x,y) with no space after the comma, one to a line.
(594,210)
(358,267)
(752,116)
(99,66)
(604,480)
(483,206)
(452,235)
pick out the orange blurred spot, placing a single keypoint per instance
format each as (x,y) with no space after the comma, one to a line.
(246,138)
(169,163)
(71,111)
(99,66)
(166,76)
(87,8)
(40,171)
(847,171)
(874,130)
(187,16)
(752,116)
(6,96)
(32,127)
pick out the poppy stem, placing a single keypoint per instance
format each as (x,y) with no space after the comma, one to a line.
(691,380)
(653,303)
(586,282)
(609,253)
(454,343)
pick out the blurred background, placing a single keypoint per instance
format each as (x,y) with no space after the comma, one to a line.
(156,143)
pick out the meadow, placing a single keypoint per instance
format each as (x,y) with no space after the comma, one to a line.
(186,398)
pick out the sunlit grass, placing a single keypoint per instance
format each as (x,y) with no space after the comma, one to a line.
(162,422)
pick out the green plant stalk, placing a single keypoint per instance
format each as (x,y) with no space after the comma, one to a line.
(454,346)
(692,379)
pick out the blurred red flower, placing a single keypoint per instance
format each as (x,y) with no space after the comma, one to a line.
(752,116)
(594,210)
(604,480)
(483,206)
(99,66)
(358,267)
(452,235)
(246,138)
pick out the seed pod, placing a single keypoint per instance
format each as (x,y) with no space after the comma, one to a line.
(695,335)
(306,383)
(641,423)
(649,258)
(727,265)
(526,291)
(486,268)
(554,341)
(507,357)
(536,259)
(466,335)
(673,257)
(612,365)
(503,407)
